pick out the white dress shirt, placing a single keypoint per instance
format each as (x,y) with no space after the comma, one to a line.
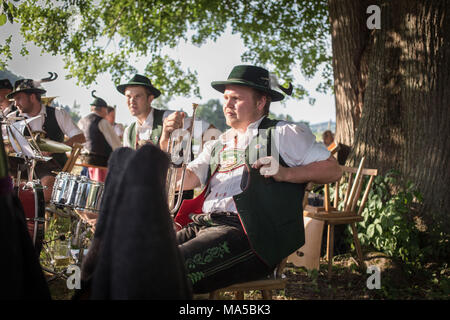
(144,131)
(296,145)
(65,122)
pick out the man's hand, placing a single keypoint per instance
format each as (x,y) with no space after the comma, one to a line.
(79,138)
(270,168)
(172,122)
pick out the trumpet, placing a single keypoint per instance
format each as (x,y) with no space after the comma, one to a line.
(174,147)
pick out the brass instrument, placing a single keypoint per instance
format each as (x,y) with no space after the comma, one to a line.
(174,146)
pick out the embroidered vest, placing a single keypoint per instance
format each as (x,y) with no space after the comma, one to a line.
(156,129)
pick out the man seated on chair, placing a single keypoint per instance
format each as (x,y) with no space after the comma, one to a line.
(249,216)
(101,139)
(55,122)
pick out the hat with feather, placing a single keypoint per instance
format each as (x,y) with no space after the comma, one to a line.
(31,86)
(98,102)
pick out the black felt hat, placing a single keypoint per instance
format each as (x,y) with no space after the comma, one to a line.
(250,76)
(5,84)
(139,80)
(98,102)
(27,86)
(31,86)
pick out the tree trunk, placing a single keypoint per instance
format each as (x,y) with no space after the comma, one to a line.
(390,86)
(350,38)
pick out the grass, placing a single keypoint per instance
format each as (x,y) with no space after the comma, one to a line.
(428,282)
(347,282)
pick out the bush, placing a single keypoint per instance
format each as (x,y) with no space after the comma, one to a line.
(390,226)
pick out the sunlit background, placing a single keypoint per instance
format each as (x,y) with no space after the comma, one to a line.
(212,61)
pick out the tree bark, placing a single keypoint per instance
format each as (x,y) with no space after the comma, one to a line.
(392,103)
(350,38)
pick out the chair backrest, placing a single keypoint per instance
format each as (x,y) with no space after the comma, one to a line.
(76,149)
(355,180)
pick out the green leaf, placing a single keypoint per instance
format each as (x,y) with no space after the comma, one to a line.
(379,229)
(3,19)
(371,231)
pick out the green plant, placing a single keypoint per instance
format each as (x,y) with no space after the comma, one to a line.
(388,225)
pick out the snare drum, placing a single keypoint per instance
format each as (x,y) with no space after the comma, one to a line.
(77,192)
(89,195)
(31,195)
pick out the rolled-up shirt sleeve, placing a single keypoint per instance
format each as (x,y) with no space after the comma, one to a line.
(65,122)
(297,145)
(110,135)
(200,165)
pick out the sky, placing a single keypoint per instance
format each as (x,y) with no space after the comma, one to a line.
(212,61)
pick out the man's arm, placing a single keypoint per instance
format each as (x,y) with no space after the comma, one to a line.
(69,128)
(79,138)
(110,135)
(191,181)
(319,172)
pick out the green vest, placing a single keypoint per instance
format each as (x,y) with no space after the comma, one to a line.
(156,129)
(271,212)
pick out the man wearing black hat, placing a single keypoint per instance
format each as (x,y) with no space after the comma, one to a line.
(55,122)
(6,106)
(152,125)
(101,139)
(255,173)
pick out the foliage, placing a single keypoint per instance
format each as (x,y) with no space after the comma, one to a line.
(390,225)
(387,226)
(57,226)
(108,36)
(212,112)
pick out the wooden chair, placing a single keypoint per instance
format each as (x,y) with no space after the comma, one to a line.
(266,286)
(333,148)
(344,212)
(70,163)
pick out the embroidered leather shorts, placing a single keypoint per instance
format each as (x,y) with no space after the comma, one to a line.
(217,252)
